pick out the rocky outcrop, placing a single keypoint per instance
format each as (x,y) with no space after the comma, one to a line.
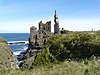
(38,38)
(37,41)
(7,60)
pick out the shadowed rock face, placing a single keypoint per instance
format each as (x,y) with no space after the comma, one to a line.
(7,59)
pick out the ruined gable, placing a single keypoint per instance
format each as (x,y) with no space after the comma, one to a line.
(45,26)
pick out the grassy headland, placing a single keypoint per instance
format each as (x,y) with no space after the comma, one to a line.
(76,45)
(75,53)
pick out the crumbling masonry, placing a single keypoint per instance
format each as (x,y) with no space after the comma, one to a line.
(38,38)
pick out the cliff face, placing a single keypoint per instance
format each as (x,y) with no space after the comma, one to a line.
(7,59)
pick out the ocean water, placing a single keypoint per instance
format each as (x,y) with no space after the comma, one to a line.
(16,37)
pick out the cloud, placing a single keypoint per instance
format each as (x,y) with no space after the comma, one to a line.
(74,24)
(80,24)
(16,26)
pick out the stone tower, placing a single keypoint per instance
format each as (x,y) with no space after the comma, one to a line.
(56,25)
(33,33)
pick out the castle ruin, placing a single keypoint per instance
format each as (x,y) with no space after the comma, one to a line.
(38,38)
(45,27)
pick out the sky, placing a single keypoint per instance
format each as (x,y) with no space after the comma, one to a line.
(17,16)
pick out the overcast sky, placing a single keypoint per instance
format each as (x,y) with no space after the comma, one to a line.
(75,15)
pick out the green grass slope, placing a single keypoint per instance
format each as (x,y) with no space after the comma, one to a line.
(87,67)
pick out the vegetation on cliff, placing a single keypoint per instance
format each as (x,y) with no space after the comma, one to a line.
(77,45)
(60,55)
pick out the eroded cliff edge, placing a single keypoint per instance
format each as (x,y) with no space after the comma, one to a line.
(7,60)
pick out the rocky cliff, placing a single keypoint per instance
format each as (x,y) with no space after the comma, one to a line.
(7,59)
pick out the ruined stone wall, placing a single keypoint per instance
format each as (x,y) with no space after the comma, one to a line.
(56,29)
(33,33)
(38,38)
(56,25)
(45,26)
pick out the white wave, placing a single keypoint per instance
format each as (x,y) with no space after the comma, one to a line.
(25,47)
(17,42)
(22,48)
(17,52)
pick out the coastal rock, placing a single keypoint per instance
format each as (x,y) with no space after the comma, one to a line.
(7,60)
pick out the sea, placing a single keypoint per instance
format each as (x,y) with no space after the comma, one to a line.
(16,37)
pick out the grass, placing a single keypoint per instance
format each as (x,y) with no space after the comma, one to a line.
(62,47)
(86,67)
